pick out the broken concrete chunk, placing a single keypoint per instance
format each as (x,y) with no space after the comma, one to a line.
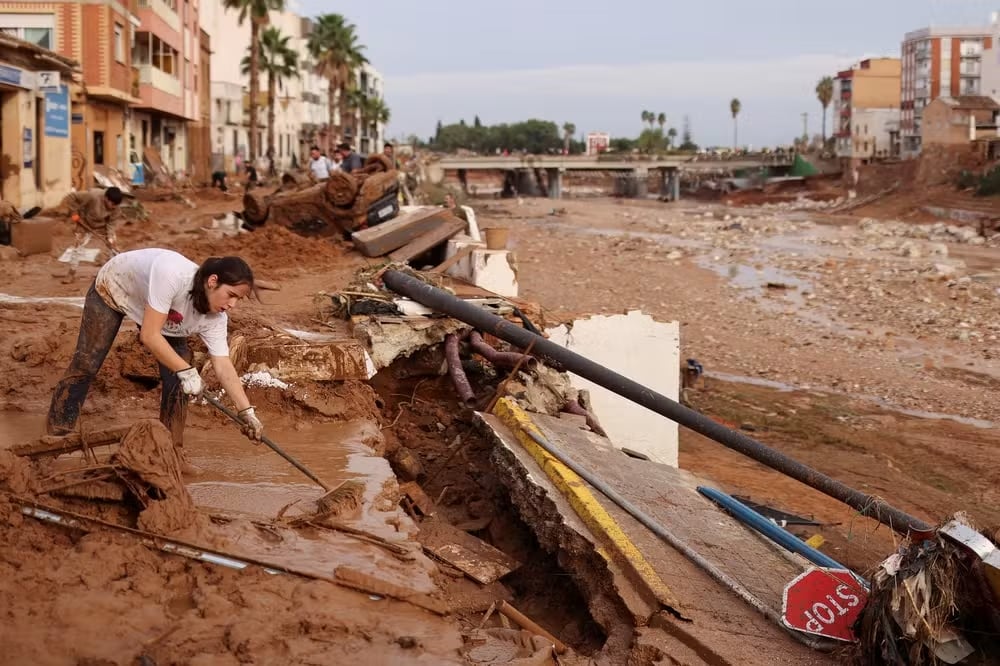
(644,350)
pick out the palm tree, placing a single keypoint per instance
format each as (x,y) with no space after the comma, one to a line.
(333,44)
(824,93)
(257,12)
(280,62)
(650,118)
(377,113)
(671,135)
(645,117)
(354,101)
(569,129)
(734,108)
(661,120)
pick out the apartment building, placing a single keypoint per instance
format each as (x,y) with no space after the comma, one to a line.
(366,136)
(938,62)
(166,51)
(35,120)
(866,110)
(97,34)
(990,80)
(301,112)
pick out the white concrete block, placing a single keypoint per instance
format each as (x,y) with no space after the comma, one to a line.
(644,350)
(463,268)
(495,270)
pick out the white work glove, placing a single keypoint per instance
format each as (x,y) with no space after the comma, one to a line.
(191,382)
(252,427)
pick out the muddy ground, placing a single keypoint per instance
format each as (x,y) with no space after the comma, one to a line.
(820,336)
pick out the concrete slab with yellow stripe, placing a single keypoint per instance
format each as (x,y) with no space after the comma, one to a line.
(657,586)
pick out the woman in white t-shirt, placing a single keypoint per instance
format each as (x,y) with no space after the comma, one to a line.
(171,298)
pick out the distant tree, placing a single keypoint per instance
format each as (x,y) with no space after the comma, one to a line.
(824,93)
(687,143)
(476,122)
(569,129)
(437,132)
(651,141)
(671,135)
(621,145)
(661,120)
(734,108)
(535,136)
(645,117)
(462,122)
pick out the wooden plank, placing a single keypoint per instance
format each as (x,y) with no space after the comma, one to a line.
(445,229)
(54,445)
(453,259)
(397,232)
(474,557)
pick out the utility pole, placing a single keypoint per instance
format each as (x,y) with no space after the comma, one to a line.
(805,128)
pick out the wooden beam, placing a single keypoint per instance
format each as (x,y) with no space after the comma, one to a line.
(53,445)
(397,232)
(445,229)
(453,259)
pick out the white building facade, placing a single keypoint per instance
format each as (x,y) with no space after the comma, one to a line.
(301,112)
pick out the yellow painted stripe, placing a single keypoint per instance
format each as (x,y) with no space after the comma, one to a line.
(583,501)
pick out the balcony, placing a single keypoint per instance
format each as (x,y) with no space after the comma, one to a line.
(160,80)
(165,10)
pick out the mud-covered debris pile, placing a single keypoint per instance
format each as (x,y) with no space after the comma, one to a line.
(147,452)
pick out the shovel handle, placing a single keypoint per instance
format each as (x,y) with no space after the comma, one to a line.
(264,438)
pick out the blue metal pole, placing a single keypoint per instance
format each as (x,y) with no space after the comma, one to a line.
(779,535)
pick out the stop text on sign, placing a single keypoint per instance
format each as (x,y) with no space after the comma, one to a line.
(826,612)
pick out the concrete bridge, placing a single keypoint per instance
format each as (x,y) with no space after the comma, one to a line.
(528,166)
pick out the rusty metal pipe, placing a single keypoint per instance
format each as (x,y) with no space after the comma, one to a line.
(499,358)
(866,505)
(574,407)
(458,377)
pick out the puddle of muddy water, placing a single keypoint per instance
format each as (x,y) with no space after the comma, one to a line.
(241,477)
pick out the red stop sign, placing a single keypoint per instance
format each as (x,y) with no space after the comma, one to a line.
(825,602)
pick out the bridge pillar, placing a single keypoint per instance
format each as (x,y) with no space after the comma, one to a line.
(640,176)
(525,183)
(555,179)
(675,184)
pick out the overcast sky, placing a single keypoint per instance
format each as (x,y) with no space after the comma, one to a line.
(599,64)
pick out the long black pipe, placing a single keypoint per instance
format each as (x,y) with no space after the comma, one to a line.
(443,302)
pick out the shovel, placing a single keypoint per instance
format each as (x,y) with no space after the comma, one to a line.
(325,503)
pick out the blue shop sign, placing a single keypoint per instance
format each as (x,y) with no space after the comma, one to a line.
(10,75)
(57,113)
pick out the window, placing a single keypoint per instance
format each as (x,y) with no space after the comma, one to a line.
(119,43)
(98,147)
(150,50)
(35,28)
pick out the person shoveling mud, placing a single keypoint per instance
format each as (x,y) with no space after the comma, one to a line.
(93,212)
(170,298)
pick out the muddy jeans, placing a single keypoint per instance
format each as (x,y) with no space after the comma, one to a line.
(98,329)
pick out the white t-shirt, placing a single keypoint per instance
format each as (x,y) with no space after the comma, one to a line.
(161,279)
(321,167)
